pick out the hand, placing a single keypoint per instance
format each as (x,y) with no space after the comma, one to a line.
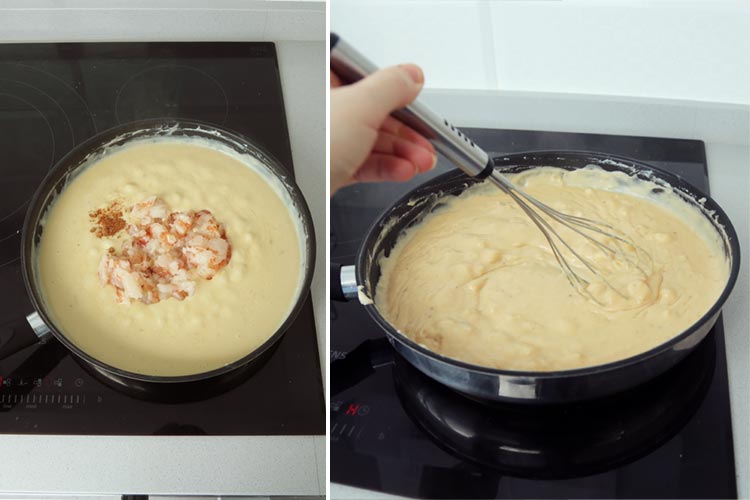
(368,145)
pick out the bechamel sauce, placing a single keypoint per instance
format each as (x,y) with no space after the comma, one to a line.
(228,317)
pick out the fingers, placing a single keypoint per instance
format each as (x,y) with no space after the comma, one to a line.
(335,80)
(368,145)
(385,91)
(384,168)
(396,127)
(420,157)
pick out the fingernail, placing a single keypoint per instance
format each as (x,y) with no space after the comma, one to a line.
(434,161)
(415,72)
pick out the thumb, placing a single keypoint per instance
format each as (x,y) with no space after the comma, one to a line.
(387,90)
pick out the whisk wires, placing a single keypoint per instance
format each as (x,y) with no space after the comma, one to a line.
(578,225)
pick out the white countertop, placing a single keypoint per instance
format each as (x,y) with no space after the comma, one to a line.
(195,465)
(725,129)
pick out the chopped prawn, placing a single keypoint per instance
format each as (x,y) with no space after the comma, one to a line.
(152,208)
(165,254)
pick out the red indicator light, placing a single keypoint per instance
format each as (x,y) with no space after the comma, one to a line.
(352,410)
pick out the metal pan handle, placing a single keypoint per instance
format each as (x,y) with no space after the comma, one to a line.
(21,333)
(343,282)
(351,66)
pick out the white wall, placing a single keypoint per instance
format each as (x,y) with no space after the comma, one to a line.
(668,49)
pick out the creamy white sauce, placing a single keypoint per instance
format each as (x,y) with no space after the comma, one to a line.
(230,315)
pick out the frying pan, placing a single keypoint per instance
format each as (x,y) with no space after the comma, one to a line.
(38,324)
(485,383)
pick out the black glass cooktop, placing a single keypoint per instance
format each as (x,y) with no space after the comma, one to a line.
(397,431)
(53,97)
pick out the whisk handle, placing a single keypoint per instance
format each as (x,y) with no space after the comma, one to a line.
(351,66)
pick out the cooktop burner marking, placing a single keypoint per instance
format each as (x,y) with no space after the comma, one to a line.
(50,110)
(160,97)
(52,140)
(72,90)
(14,231)
(67,119)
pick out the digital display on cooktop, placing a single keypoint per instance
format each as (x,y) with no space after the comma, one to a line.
(397,431)
(52,98)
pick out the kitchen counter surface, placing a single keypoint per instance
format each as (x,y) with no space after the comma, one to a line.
(205,465)
(725,129)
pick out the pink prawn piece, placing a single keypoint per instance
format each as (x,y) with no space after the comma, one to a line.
(166,252)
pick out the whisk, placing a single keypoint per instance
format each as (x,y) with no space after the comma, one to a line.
(621,247)
(352,66)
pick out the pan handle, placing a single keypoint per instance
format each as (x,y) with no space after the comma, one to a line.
(343,282)
(21,333)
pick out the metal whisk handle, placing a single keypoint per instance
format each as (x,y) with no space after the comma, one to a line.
(351,66)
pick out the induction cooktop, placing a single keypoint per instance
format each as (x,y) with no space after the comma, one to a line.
(397,431)
(55,96)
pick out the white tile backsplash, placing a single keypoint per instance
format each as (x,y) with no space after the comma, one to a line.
(691,50)
(684,50)
(445,38)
